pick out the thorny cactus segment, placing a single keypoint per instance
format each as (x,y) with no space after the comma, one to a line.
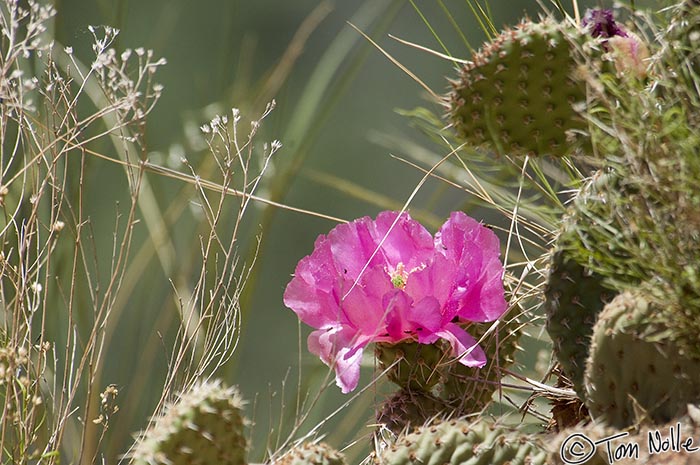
(312,454)
(574,294)
(434,384)
(388,280)
(205,426)
(413,366)
(459,442)
(635,372)
(518,94)
(407,409)
(573,298)
(470,390)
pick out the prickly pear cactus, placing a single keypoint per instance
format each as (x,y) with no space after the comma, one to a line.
(429,374)
(635,372)
(574,295)
(517,95)
(312,454)
(204,426)
(414,364)
(436,386)
(460,442)
(470,390)
(407,409)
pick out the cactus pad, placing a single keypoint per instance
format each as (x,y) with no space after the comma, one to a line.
(459,442)
(203,427)
(470,390)
(574,295)
(406,409)
(312,454)
(635,372)
(518,94)
(431,372)
(415,364)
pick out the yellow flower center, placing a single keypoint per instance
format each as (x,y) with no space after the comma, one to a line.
(399,276)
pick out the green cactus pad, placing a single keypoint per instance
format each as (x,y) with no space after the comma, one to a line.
(459,442)
(574,295)
(518,94)
(416,364)
(203,427)
(470,390)
(573,298)
(312,454)
(407,409)
(431,369)
(635,372)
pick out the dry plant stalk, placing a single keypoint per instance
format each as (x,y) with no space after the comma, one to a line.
(57,294)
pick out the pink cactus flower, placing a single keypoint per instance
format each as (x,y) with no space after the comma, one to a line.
(389,280)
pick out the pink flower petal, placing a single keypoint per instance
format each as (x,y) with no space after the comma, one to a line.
(478,291)
(311,292)
(408,242)
(426,318)
(352,245)
(397,305)
(463,346)
(436,280)
(361,304)
(335,348)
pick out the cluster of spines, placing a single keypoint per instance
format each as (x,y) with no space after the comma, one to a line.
(459,442)
(204,426)
(310,453)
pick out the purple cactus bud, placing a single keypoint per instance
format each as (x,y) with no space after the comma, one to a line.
(601,23)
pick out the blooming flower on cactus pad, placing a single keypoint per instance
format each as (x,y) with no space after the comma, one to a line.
(389,280)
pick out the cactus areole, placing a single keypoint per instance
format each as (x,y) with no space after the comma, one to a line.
(389,280)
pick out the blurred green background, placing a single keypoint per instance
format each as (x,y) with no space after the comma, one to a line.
(336,117)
